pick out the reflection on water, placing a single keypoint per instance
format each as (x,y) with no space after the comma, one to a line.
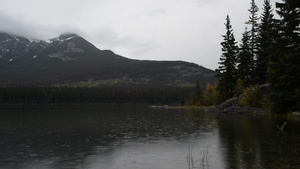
(101,137)
(256,142)
(128,137)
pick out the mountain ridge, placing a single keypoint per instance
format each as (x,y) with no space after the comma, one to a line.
(70,59)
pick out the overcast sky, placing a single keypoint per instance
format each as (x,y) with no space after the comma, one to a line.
(188,30)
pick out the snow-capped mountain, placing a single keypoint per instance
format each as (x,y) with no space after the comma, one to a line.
(15,47)
(70,59)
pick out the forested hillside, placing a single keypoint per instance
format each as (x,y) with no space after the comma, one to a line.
(70,70)
(71,60)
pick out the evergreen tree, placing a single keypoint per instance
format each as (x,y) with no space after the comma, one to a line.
(284,66)
(244,60)
(265,43)
(253,22)
(196,98)
(198,95)
(227,64)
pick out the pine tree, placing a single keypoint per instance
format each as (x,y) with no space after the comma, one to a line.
(265,43)
(284,66)
(244,60)
(227,64)
(198,95)
(253,22)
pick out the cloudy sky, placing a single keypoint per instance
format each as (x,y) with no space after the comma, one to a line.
(188,30)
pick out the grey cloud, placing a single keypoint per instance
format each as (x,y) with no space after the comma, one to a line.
(32,30)
(105,35)
(156,12)
(189,30)
(136,46)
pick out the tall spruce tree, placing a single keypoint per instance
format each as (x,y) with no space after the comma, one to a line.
(253,22)
(265,43)
(198,95)
(284,66)
(244,60)
(227,64)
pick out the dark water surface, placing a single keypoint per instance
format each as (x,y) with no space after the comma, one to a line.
(129,137)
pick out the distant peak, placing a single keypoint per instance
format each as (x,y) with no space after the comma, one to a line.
(64,37)
(67,36)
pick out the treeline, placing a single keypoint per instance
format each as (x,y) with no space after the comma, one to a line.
(268,53)
(107,94)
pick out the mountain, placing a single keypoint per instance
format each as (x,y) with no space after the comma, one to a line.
(70,59)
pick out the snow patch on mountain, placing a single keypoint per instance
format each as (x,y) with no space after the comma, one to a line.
(60,40)
(7,40)
(69,38)
(63,37)
(48,41)
(34,41)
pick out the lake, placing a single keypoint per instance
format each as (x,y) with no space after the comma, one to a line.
(136,137)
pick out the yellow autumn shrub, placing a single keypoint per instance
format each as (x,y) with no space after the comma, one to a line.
(250,97)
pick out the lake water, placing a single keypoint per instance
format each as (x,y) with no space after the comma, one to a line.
(136,137)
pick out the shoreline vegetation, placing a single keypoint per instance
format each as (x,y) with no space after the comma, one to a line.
(268,53)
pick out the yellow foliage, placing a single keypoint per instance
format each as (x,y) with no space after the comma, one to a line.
(252,98)
(209,95)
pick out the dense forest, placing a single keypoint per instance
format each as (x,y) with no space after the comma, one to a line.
(268,53)
(101,94)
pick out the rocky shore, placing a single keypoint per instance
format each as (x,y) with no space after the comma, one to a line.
(231,107)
